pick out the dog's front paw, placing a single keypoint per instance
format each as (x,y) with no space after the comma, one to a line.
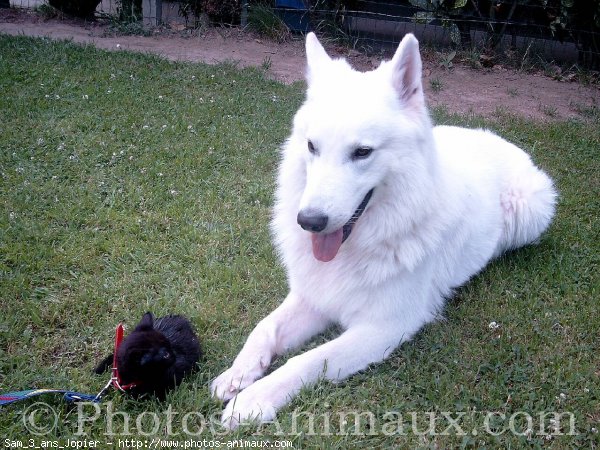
(250,406)
(236,378)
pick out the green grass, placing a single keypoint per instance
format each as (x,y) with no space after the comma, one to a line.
(129,183)
(263,20)
(436,85)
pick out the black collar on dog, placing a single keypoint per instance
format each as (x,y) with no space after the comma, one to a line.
(347,229)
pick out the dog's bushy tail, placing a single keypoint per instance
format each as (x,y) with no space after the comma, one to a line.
(528,205)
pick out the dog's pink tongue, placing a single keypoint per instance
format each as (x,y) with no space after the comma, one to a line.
(326,246)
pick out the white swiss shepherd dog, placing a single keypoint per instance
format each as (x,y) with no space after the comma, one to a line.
(378,217)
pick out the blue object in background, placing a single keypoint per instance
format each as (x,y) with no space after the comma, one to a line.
(297,4)
(294,14)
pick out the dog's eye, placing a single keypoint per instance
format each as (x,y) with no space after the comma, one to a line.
(311,148)
(362,152)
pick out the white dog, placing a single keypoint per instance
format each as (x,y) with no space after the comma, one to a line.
(378,217)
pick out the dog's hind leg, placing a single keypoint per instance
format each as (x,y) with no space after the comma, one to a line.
(287,327)
(528,206)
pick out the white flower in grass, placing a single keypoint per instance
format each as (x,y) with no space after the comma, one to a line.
(160,97)
(61,146)
(173,192)
(493,326)
(145,127)
(112,76)
(160,174)
(85,97)
(12,215)
(561,397)
(19,170)
(40,141)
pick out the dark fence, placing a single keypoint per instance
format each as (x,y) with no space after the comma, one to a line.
(564,30)
(147,12)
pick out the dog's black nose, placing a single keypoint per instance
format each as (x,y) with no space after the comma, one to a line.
(312,220)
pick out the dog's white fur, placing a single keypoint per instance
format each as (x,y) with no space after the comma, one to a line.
(446,201)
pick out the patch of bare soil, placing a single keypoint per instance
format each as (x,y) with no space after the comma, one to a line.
(462,89)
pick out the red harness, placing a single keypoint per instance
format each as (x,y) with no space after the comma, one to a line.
(116,379)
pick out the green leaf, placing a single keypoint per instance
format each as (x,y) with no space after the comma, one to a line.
(424,17)
(454,35)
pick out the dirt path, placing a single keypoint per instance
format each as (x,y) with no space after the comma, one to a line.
(462,90)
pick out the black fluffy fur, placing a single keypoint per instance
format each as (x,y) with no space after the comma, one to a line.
(156,355)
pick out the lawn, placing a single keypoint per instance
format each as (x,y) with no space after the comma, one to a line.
(132,184)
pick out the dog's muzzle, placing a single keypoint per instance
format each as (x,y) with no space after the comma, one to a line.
(315,221)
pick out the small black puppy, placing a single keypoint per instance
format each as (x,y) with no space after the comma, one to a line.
(156,355)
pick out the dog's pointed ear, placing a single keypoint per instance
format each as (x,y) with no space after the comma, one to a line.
(407,71)
(316,56)
(147,322)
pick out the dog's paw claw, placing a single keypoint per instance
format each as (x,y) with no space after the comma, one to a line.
(230,383)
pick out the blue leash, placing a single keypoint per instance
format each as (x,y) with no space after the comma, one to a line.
(69,396)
